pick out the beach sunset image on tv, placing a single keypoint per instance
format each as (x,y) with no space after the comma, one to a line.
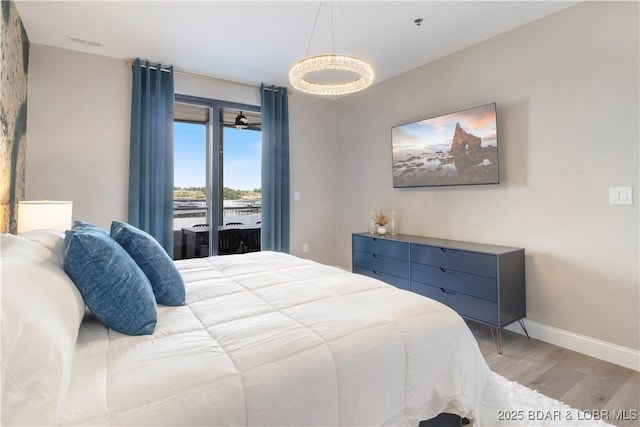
(454,149)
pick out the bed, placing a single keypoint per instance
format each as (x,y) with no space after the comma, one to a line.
(264,338)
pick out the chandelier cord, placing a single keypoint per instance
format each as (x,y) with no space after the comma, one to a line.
(313,30)
(346,29)
(333,37)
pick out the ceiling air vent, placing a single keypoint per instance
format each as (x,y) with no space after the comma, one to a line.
(83,41)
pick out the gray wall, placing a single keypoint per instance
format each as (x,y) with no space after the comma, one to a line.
(567,94)
(79,108)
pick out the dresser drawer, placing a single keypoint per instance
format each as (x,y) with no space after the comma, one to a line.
(466,306)
(377,246)
(396,281)
(381,264)
(469,284)
(453,259)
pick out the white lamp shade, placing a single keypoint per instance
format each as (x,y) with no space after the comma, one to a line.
(33,215)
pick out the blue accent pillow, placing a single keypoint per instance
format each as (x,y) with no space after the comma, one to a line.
(166,280)
(87,226)
(112,285)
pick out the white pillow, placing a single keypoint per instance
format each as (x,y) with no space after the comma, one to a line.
(41,315)
(52,240)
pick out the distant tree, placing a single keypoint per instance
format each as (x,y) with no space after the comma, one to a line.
(189,193)
(227,193)
(231,194)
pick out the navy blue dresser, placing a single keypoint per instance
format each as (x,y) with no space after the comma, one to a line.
(483,283)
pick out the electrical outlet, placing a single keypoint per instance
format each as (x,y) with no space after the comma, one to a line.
(305,247)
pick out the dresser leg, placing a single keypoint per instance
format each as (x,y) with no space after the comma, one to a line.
(524,328)
(496,333)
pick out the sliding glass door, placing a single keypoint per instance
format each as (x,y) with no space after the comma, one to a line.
(217,185)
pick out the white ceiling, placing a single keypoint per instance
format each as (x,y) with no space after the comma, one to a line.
(258,41)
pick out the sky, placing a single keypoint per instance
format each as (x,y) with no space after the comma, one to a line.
(242,157)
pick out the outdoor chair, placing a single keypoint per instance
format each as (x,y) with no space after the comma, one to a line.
(230,242)
(252,240)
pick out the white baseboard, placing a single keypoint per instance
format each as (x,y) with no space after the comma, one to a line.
(593,347)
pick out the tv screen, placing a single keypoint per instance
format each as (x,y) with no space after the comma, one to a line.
(454,149)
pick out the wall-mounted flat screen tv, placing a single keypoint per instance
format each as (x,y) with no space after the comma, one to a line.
(454,149)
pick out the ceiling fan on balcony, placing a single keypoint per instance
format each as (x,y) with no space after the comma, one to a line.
(241,119)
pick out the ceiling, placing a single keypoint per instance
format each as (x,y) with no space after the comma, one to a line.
(258,41)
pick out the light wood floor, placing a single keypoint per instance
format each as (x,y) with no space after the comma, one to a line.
(578,380)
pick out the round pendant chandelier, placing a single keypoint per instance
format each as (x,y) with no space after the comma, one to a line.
(299,73)
(331,62)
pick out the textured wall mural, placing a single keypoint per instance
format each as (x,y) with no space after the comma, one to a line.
(14,63)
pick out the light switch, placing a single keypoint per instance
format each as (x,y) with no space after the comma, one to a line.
(620,195)
(296,195)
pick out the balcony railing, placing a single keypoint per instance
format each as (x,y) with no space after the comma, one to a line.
(187,212)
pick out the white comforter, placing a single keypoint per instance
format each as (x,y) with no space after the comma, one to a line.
(270,339)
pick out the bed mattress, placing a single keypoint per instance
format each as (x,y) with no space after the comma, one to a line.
(267,338)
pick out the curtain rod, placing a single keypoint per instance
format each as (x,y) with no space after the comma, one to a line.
(204,76)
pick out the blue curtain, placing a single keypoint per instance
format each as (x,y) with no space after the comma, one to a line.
(151,152)
(275,169)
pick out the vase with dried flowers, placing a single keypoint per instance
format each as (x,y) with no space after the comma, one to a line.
(381,220)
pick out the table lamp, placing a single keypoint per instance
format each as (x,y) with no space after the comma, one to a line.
(33,215)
